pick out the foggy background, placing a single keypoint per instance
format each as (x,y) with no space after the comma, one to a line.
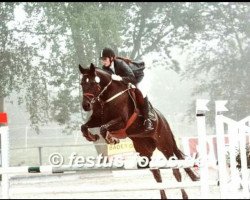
(191,50)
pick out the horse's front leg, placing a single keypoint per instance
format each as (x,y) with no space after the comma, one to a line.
(85,132)
(112,125)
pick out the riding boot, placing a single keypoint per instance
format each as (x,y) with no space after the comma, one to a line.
(148,125)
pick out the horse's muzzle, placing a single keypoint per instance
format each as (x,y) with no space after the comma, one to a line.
(86,103)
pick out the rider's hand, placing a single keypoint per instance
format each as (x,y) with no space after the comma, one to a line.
(131,85)
(116,77)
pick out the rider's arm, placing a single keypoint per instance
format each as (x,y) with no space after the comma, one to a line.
(125,72)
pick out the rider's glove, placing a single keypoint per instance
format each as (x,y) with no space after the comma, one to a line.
(116,77)
(131,85)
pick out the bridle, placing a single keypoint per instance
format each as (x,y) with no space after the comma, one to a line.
(93,99)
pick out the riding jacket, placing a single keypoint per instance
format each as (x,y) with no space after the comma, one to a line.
(122,69)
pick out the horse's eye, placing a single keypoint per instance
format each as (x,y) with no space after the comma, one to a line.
(87,80)
(97,79)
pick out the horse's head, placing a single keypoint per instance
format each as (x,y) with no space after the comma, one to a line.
(91,83)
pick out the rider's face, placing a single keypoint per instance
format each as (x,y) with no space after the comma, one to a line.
(106,61)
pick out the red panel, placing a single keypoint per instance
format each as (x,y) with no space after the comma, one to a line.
(3,118)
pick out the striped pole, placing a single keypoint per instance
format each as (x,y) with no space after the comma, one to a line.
(4,131)
(49,169)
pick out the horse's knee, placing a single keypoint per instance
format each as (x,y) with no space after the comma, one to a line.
(88,135)
(84,128)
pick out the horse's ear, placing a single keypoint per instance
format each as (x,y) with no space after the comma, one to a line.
(92,68)
(82,70)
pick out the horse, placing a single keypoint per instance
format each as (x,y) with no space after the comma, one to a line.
(116,112)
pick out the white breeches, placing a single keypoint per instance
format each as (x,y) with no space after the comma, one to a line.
(143,86)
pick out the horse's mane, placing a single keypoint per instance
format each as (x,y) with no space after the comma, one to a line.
(101,71)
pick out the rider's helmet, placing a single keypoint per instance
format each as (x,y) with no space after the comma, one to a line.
(107,52)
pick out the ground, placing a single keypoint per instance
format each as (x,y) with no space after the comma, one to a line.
(71,185)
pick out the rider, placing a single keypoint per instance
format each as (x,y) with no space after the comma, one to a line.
(120,71)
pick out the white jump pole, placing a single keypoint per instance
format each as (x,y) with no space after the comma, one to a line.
(202,148)
(4,131)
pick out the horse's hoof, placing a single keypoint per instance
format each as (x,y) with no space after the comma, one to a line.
(107,141)
(116,141)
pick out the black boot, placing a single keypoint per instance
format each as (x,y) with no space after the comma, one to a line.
(148,125)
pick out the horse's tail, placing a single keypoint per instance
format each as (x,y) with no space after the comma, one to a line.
(180,155)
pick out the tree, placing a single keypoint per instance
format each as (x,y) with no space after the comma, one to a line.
(159,28)
(7,55)
(57,38)
(221,61)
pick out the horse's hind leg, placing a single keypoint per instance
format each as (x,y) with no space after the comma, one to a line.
(157,176)
(177,175)
(189,171)
(146,147)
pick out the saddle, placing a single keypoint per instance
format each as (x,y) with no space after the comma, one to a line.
(122,133)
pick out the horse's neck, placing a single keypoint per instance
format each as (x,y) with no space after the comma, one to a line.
(113,89)
(123,102)
(119,99)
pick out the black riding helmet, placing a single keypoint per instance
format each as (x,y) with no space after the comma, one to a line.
(107,52)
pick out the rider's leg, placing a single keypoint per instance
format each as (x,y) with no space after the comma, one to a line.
(139,99)
(147,122)
(142,86)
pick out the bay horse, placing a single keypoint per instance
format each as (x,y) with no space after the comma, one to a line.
(116,113)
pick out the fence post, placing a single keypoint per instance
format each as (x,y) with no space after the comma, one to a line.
(40,156)
(4,131)
(243,159)
(202,145)
(219,108)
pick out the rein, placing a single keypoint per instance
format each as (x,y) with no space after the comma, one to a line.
(97,98)
(116,95)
